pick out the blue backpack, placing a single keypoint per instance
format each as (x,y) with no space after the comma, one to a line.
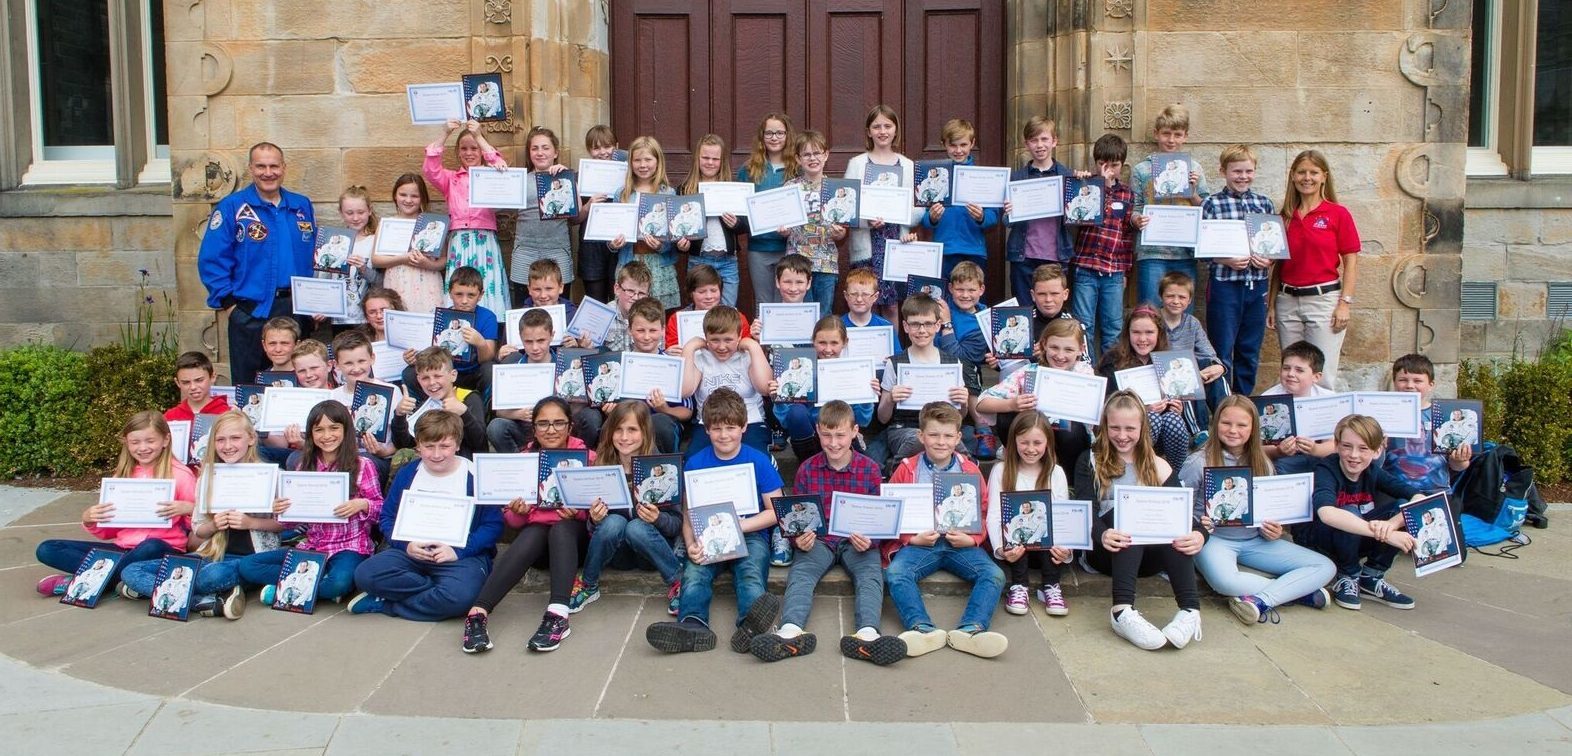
(1496,491)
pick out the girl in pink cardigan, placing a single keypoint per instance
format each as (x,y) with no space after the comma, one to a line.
(472,238)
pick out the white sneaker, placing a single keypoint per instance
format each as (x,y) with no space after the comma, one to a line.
(919,642)
(1131,626)
(981,643)
(1185,627)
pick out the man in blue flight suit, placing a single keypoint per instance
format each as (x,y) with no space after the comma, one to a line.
(256,239)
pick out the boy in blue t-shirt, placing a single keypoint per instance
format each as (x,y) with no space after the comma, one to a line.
(464,289)
(961,337)
(725,417)
(960,229)
(862,290)
(1410,459)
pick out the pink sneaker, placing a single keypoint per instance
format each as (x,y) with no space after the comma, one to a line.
(54,585)
(1015,600)
(1052,599)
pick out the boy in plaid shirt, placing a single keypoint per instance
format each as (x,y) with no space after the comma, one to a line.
(1106,252)
(1236,296)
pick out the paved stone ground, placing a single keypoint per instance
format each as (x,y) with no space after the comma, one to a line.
(1479,665)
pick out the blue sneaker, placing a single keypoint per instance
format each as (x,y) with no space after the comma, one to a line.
(583,595)
(1316,599)
(269,593)
(1251,610)
(1345,593)
(780,549)
(365,603)
(1382,591)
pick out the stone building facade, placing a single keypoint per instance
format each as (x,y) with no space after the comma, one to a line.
(1382,87)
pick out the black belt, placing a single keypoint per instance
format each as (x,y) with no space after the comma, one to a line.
(1312,291)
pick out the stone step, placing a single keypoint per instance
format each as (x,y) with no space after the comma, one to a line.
(835,583)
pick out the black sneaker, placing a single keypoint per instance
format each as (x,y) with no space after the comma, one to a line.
(883,650)
(680,637)
(475,638)
(207,606)
(772,648)
(553,629)
(760,619)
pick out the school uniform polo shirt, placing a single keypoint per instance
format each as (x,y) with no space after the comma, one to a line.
(1315,241)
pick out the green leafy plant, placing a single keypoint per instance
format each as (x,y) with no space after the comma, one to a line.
(152,331)
(1482,381)
(41,409)
(1529,406)
(124,382)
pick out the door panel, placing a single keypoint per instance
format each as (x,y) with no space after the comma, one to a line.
(759,54)
(854,63)
(660,55)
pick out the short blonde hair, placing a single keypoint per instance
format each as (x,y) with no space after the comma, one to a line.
(956,129)
(965,271)
(941,413)
(1363,426)
(309,347)
(1175,117)
(1037,125)
(722,320)
(1236,153)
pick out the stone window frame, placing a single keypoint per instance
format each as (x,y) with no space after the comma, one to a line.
(135,162)
(1512,47)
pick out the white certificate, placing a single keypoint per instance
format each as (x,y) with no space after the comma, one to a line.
(603,178)
(1036,198)
(408,330)
(501,478)
(328,297)
(1072,524)
(1171,226)
(136,501)
(593,320)
(394,236)
(786,324)
(435,104)
(1142,380)
(916,505)
(1316,417)
(245,488)
(1063,395)
(1226,239)
(522,384)
(388,362)
(732,484)
(690,325)
(979,185)
(283,406)
(609,220)
(180,440)
(1152,514)
(313,495)
(1283,499)
(582,486)
(498,187)
(559,323)
(775,209)
(643,373)
(873,517)
(902,259)
(891,204)
(431,403)
(722,197)
(426,517)
(849,379)
(1396,411)
(876,343)
(929,383)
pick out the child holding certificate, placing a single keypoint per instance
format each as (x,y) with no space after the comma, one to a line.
(1104,253)
(718,248)
(597,263)
(1171,130)
(1298,573)
(1360,537)
(535,239)
(769,165)
(194,380)
(962,232)
(375,306)
(428,582)
(862,291)
(867,244)
(1123,455)
(647,175)
(1060,346)
(723,359)
(1033,243)
(1143,334)
(920,320)
(224,534)
(554,533)
(916,556)
(472,241)
(354,207)
(1028,465)
(144,453)
(435,375)
(417,274)
(641,539)
(1412,458)
(510,430)
(724,418)
(837,468)
(800,418)
(815,240)
(704,291)
(1299,374)
(328,446)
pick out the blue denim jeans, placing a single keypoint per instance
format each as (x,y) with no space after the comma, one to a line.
(1150,272)
(913,563)
(747,574)
(67,555)
(1098,302)
(822,290)
(797,419)
(726,266)
(810,567)
(1350,553)
(211,578)
(618,539)
(1236,324)
(1298,569)
(336,582)
(422,591)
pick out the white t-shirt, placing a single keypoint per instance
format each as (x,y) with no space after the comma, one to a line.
(1057,483)
(733,373)
(1315,390)
(455,483)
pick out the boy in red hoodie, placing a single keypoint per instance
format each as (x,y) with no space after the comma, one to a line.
(915,557)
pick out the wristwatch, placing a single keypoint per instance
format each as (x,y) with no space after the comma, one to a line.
(945,326)
(1347,299)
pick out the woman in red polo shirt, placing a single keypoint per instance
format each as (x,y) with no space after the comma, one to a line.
(1311,297)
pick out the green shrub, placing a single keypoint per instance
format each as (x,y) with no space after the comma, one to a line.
(1482,381)
(1539,397)
(124,382)
(43,397)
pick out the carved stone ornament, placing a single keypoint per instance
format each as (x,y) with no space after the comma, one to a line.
(1119,57)
(1117,114)
(499,11)
(1120,8)
(206,178)
(503,64)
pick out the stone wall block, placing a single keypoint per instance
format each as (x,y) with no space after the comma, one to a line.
(1504,226)
(547,67)
(311,19)
(377,167)
(1369,337)
(1519,300)
(142,233)
(1536,262)
(1244,114)
(317,121)
(374,66)
(1191,59)
(1555,226)
(123,269)
(1349,58)
(1200,15)
(37,234)
(184,21)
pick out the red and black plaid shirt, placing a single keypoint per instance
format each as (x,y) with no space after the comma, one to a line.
(1109,247)
(815,476)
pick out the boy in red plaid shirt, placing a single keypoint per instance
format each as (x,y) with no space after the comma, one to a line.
(1106,252)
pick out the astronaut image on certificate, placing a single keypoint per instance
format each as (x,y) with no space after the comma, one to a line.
(840,207)
(801,518)
(654,221)
(1085,205)
(660,487)
(170,597)
(1230,501)
(90,581)
(957,510)
(559,199)
(1028,526)
(934,185)
(689,220)
(604,386)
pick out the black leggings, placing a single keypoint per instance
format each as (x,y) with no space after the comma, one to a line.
(1017,573)
(560,543)
(1145,561)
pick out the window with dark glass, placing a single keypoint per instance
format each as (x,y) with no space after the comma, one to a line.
(73,66)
